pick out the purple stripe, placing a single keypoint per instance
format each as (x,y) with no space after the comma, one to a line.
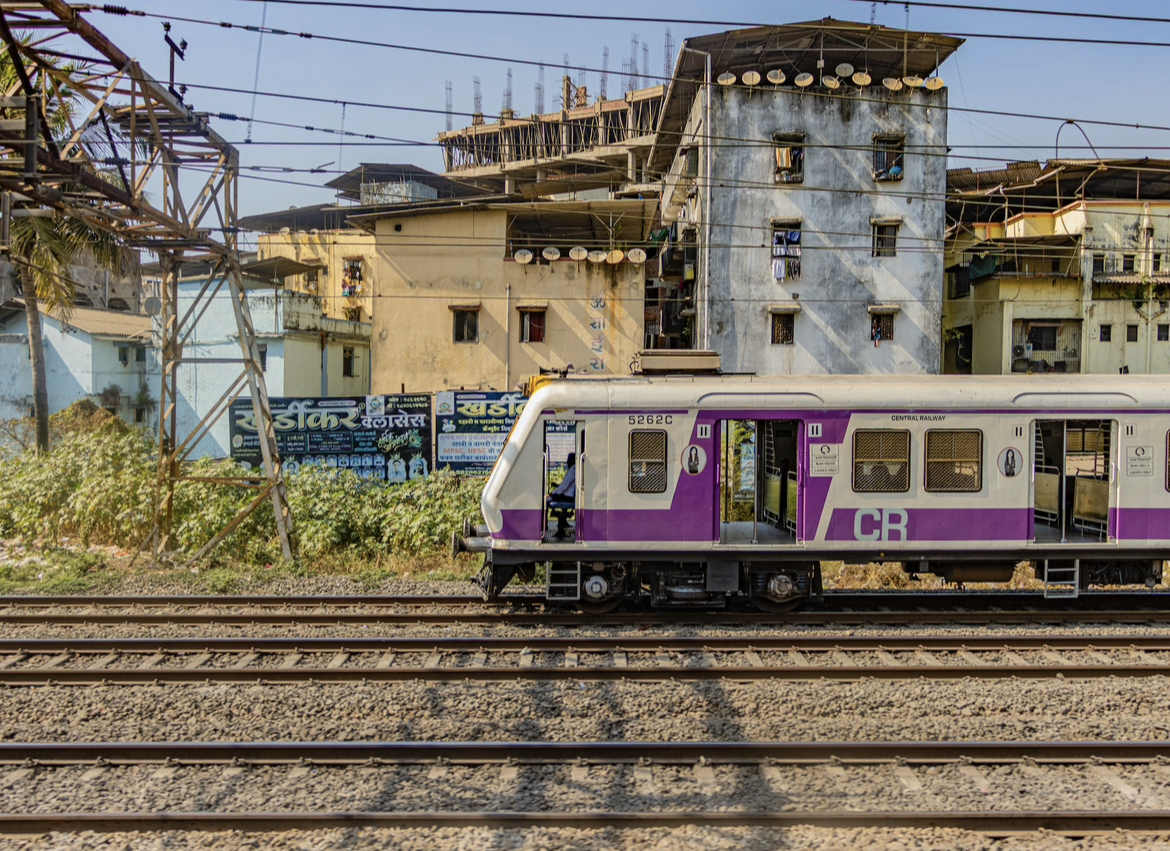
(520,524)
(1140,524)
(929,524)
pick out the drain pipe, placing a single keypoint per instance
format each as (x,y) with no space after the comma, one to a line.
(508,338)
(704,305)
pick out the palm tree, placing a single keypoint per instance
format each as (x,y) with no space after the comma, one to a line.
(45,248)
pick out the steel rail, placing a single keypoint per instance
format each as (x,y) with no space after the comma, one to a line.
(991,823)
(336,676)
(60,754)
(623,642)
(535,619)
(833,600)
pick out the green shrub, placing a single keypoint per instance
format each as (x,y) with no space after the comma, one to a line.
(97,485)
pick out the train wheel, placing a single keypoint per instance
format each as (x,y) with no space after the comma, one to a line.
(775,607)
(599,607)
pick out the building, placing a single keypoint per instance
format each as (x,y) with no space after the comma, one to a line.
(484,294)
(101,355)
(303,353)
(804,176)
(341,257)
(119,290)
(1063,267)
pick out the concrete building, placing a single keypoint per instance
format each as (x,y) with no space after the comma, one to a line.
(456,306)
(1059,268)
(101,355)
(804,198)
(303,352)
(342,257)
(93,287)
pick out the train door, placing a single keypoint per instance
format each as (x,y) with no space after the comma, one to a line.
(1073,481)
(561,482)
(758,482)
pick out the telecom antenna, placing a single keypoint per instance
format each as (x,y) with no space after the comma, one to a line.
(508,93)
(540,91)
(601,89)
(668,57)
(450,109)
(581,93)
(478,107)
(872,13)
(645,63)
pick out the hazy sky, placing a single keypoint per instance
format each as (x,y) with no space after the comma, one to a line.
(1117,83)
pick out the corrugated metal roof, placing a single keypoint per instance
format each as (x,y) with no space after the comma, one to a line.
(111,324)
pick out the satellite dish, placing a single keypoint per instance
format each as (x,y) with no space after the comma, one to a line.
(314,232)
(913,81)
(614,257)
(637,256)
(523,256)
(862,79)
(934,83)
(152,306)
(725,79)
(804,80)
(597,256)
(285,231)
(776,77)
(751,78)
(830,82)
(892,83)
(302,234)
(844,70)
(578,252)
(551,253)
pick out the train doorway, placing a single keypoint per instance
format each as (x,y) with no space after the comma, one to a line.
(1073,488)
(758,482)
(561,491)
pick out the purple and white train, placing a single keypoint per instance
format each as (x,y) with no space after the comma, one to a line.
(695,489)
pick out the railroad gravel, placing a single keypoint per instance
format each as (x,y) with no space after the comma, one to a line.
(873,710)
(681,839)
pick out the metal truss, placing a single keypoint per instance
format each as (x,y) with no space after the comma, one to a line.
(132,133)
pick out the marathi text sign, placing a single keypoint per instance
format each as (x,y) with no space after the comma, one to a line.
(473,428)
(378,437)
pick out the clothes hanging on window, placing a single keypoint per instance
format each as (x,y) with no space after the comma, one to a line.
(786,255)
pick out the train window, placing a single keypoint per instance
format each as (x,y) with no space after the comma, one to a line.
(881,461)
(647,461)
(954,460)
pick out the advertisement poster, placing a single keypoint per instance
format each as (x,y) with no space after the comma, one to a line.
(472,428)
(378,437)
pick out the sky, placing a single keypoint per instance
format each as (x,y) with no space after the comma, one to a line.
(1073,81)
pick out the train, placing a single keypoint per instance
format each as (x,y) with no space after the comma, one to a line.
(700,489)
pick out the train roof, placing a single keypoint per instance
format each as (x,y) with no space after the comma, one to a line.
(878,392)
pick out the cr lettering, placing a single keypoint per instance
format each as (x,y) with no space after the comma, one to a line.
(880,524)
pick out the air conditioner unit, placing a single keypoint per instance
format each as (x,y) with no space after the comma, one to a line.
(688,271)
(1017,351)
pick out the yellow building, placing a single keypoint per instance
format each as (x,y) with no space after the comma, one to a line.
(456,305)
(343,267)
(1060,268)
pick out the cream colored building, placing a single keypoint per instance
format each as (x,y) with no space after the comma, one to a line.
(343,273)
(454,308)
(1060,268)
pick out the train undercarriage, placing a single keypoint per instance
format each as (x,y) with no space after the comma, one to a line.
(777,585)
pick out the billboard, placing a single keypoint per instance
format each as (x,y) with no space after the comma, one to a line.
(472,427)
(378,437)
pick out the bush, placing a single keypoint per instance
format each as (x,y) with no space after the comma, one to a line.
(97,485)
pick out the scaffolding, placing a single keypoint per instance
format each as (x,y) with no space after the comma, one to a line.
(139,134)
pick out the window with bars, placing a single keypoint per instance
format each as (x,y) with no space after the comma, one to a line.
(1128,262)
(881,461)
(466,326)
(1131,333)
(1163,333)
(881,328)
(647,461)
(889,155)
(1098,264)
(347,362)
(1105,333)
(783,329)
(885,240)
(786,250)
(954,460)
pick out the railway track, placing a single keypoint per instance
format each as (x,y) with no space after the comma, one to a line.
(915,769)
(274,661)
(846,608)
